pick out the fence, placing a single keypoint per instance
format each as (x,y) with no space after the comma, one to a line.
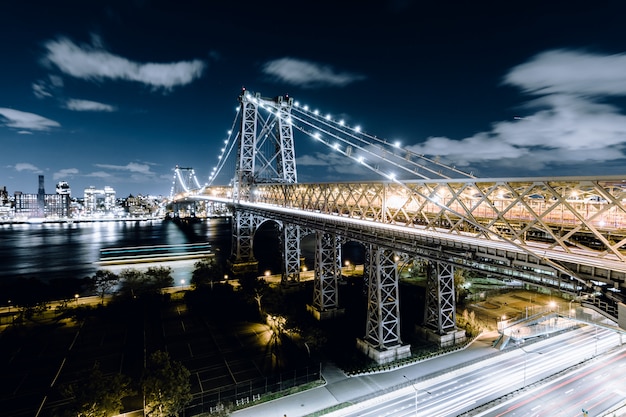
(248,392)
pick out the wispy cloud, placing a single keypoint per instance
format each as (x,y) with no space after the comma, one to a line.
(24,120)
(25,166)
(569,119)
(95,63)
(64,174)
(88,105)
(46,88)
(130,167)
(308,74)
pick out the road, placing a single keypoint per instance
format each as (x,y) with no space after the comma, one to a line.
(408,391)
(594,388)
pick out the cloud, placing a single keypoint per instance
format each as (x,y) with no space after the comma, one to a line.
(25,166)
(99,174)
(133,167)
(571,72)
(46,88)
(95,63)
(570,119)
(24,120)
(334,162)
(308,74)
(87,105)
(64,173)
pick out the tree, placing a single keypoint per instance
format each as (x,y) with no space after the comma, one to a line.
(159,277)
(103,282)
(132,282)
(206,272)
(95,394)
(166,386)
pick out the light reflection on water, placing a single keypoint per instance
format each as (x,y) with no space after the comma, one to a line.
(62,250)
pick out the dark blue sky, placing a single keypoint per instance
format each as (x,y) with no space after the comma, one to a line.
(119,92)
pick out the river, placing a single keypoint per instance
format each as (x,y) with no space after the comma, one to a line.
(72,250)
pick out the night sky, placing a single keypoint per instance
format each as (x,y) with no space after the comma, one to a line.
(119,92)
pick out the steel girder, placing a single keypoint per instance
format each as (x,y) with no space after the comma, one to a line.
(572,214)
(383,306)
(245,224)
(327,271)
(440,300)
(286,151)
(244,175)
(291,253)
(581,221)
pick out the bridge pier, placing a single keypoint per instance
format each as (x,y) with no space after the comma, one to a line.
(440,317)
(382,335)
(327,272)
(242,254)
(291,254)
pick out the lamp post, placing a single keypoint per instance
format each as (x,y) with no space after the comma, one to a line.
(76,298)
(415,389)
(525,354)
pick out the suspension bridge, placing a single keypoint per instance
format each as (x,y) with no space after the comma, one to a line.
(567,234)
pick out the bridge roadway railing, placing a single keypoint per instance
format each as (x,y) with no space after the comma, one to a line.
(541,230)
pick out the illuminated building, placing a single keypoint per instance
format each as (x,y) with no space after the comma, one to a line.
(99,201)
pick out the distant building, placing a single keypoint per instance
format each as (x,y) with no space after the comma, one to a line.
(41,204)
(63,188)
(99,201)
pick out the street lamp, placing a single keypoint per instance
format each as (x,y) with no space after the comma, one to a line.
(415,389)
(526,353)
(182,283)
(76,298)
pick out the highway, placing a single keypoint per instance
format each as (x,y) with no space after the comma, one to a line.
(467,389)
(594,389)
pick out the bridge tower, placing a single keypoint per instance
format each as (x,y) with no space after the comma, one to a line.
(184,181)
(266,154)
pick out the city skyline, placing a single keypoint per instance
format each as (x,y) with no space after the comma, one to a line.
(119,93)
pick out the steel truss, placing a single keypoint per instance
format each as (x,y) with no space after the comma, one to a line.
(327,271)
(244,174)
(245,224)
(584,219)
(291,253)
(440,300)
(383,306)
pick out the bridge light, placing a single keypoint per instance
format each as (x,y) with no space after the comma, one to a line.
(316,135)
(328,116)
(360,159)
(336,146)
(306,108)
(296,103)
(341,123)
(316,112)
(226,140)
(219,157)
(357,129)
(397,144)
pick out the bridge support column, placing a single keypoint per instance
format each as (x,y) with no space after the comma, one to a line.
(382,334)
(242,256)
(440,317)
(291,254)
(327,272)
